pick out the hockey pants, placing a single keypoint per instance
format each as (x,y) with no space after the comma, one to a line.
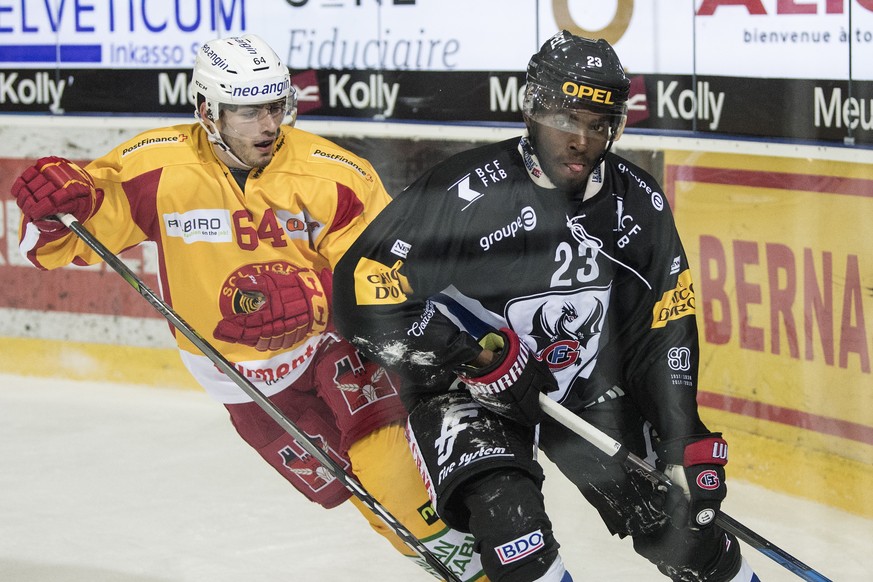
(629,504)
(351,408)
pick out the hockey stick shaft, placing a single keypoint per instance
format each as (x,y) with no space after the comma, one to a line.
(615,449)
(257,396)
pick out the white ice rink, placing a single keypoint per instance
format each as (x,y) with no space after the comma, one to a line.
(102,482)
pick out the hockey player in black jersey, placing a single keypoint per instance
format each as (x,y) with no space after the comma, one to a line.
(546,263)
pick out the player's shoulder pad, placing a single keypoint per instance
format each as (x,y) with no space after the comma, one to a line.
(166,145)
(639,189)
(470,173)
(314,155)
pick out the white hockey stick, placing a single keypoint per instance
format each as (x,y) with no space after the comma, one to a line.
(613,448)
(256,395)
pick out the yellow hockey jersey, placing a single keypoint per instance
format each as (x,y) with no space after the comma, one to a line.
(167,186)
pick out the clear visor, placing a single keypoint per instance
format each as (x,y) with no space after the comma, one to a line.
(586,119)
(256,120)
(584,123)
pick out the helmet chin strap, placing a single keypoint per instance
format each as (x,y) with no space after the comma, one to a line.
(215,138)
(605,151)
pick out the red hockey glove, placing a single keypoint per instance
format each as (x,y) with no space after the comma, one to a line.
(53,186)
(696,465)
(279,309)
(510,385)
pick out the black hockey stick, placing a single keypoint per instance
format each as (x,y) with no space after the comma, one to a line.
(613,448)
(252,391)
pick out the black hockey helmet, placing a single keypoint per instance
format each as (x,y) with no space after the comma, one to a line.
(572,72)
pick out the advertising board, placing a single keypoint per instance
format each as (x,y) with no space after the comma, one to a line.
(759,68)
(783,273)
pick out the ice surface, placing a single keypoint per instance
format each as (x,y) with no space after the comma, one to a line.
(121,483)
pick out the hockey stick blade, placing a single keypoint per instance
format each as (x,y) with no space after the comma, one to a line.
(613,448)
(257,396)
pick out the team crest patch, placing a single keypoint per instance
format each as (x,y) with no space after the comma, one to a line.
(308,468)
(362,382)
(708,480)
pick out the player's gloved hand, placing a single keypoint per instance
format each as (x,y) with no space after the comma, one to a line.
(511,384)
(278,308)
(696,465)
(54,186)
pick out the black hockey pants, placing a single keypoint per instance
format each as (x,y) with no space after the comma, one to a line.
(629,504)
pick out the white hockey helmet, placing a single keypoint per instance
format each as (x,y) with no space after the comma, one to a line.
(240,70)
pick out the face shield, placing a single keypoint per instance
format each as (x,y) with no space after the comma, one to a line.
(591,116)
(251,121)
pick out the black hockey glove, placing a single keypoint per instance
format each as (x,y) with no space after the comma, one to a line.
(511,384)
(696,465)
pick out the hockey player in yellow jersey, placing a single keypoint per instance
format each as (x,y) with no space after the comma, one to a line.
(250,215)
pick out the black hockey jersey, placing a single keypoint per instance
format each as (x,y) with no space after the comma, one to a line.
(597,286)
